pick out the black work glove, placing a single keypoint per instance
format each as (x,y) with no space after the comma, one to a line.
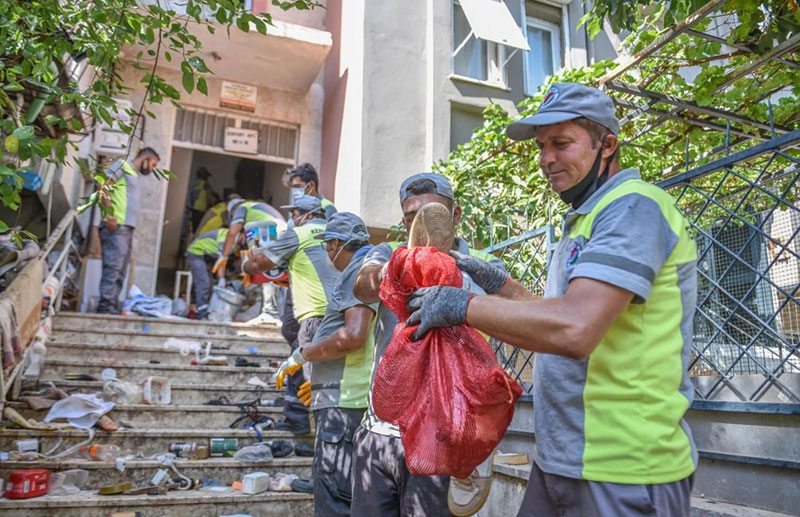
(489,277)
(438,306)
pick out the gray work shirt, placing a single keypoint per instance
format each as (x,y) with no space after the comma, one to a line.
(343,382)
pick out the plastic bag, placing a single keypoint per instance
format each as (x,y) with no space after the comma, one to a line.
(446,392)
(257,452)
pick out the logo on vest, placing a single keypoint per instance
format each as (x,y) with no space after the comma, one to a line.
(574,255)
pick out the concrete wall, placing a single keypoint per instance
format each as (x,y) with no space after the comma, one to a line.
(393,106)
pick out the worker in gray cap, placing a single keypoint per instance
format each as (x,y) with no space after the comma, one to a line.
(613,334)
(311,280)
(382,484)
(340,357)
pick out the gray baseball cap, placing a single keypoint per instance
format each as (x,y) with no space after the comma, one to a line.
(567,101)
(306,204)
(441,185)
(345,226)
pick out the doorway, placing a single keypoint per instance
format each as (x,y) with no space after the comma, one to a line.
(252,179)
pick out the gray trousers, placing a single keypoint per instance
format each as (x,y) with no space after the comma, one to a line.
(550,495)
(383,486)
(202,282)
(333,460)
(116,248)
(269,299)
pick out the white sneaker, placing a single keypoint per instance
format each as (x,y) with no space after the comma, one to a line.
(466,496)
(264,319)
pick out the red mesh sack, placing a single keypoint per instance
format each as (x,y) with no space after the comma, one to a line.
(446,392)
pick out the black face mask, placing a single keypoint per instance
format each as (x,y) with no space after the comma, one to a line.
(578,194)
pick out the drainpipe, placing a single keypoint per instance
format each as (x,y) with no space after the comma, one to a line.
(589,48)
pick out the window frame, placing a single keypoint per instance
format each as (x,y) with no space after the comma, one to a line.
(555,47)
(496,65)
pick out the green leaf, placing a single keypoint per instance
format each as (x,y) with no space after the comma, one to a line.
(24,133)
(188,81)
(3,227)
(202,87)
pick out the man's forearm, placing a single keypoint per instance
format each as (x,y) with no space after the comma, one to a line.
(258,264)
(571,325)
(513,290)
(230,239)
(367,287)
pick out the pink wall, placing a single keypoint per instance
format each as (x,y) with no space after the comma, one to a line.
(335,86)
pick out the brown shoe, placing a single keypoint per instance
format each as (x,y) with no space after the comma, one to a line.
(432,226)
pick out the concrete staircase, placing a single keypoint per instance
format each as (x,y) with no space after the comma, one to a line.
(134,348)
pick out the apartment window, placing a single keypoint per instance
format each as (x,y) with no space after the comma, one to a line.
(544,57)
(482,31)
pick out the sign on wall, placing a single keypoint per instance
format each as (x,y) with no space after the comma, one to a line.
(241,140)
(238,96)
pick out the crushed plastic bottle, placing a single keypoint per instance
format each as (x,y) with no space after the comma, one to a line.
(100,452)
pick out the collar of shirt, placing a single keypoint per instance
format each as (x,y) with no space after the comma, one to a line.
(612,183)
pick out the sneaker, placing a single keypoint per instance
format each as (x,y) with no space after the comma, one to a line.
(432,226)
(466,496)
(263,319)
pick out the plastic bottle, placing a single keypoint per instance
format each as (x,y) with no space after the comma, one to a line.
(100,452)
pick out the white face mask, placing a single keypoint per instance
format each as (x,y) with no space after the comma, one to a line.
(332,262)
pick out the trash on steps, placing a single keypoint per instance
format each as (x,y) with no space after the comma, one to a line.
(184,346)
(258,452)
(223,446)
(157,391)
(282,482)
(23,484)
(303,485)
(255,483)
(80,410)
(42,399)
(280,448)
(208,359)
(67,482)
(122,392)
(115,489)
(304,449)
(100,452)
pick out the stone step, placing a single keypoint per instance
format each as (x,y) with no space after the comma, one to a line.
(265,353)
(175,326)
(144,441)
(138,371)
(140,471)
(190,503)
(143,416)
(115,337)
(188,394)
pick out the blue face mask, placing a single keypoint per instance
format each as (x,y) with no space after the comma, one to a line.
(296,192)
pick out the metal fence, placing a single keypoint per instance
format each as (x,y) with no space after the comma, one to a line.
(744,213)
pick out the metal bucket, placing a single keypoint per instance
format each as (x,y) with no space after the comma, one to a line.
(224,304)
(259,233)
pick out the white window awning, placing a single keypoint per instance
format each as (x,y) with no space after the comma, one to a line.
(491,20)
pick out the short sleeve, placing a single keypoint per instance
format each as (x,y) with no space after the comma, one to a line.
(378,255)
(239,215)
(343,292)
(115,171)
(630,242)
(281,249)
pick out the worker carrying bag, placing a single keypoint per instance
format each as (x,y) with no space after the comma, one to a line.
(446,392)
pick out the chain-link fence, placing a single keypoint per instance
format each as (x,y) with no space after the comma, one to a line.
(526,258)
(746,219)
(744,211)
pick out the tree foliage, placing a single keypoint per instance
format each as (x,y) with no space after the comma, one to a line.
(498,182)
(44,112)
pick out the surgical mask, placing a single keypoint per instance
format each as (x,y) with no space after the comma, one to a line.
(144,170)
(332,261)
(296,192)
(576,195)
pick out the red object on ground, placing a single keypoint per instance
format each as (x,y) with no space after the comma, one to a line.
(446,392)
(23,484)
